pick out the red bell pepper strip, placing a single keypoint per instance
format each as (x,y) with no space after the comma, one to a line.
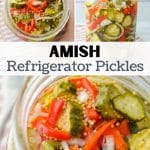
(96,22)
(92,114)
(37,9)
(45,130)
(90,87)
(93,9)
(21,25)
(55,109)
(134,11)
(85,83)
(119,141)
(43,5)
(92,141)
(130,10)
(87,131)
(77,82)
(122,38)
(124,128)
(29,4)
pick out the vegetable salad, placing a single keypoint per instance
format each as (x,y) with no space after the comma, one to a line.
(111,20)
(36,17)
(89,113)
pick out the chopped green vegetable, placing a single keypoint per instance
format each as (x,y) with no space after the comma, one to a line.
(140,140)
(23,17)
(71,119)
(129,105)
(50,11)
(64,87)
(51,145)
(104,105)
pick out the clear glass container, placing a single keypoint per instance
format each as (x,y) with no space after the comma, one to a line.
(32,88)
(111,20)
(52,35)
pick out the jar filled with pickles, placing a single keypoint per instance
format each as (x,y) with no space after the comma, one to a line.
(111,20)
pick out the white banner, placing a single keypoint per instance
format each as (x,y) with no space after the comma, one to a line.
(81,58)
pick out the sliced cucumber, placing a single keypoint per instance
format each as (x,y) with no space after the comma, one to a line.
(119,16)
(127,21)
(116,90)
(71,120)
(104,105)
(112,30)
(140,140)
(129,105)
(18,2)
(144,123)
(51,145)
(111,16)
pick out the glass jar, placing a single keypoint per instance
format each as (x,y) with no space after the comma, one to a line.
(32,88)
(111,20)
(51,35)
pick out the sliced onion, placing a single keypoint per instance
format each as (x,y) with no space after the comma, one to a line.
(48,18)
(43,114)
(82,96)
(108,143)
(105,22)
(36,3)
(37,109)
(76,141)
(65,145)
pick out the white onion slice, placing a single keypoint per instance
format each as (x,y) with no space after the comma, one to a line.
(65,145)
(82,96)
(76,141)
(105,22)
(108,143)
(47,18)
(36,3)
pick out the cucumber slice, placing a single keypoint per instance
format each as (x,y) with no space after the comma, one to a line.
(112,30)
(140,141)
(71,120)
(119,17)
(116,90)
(18,2)
(144,123)
(129,105)
(127,21)
(51,145)
(111,16)
(104,105)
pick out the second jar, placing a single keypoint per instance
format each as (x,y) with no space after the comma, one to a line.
(111,20)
